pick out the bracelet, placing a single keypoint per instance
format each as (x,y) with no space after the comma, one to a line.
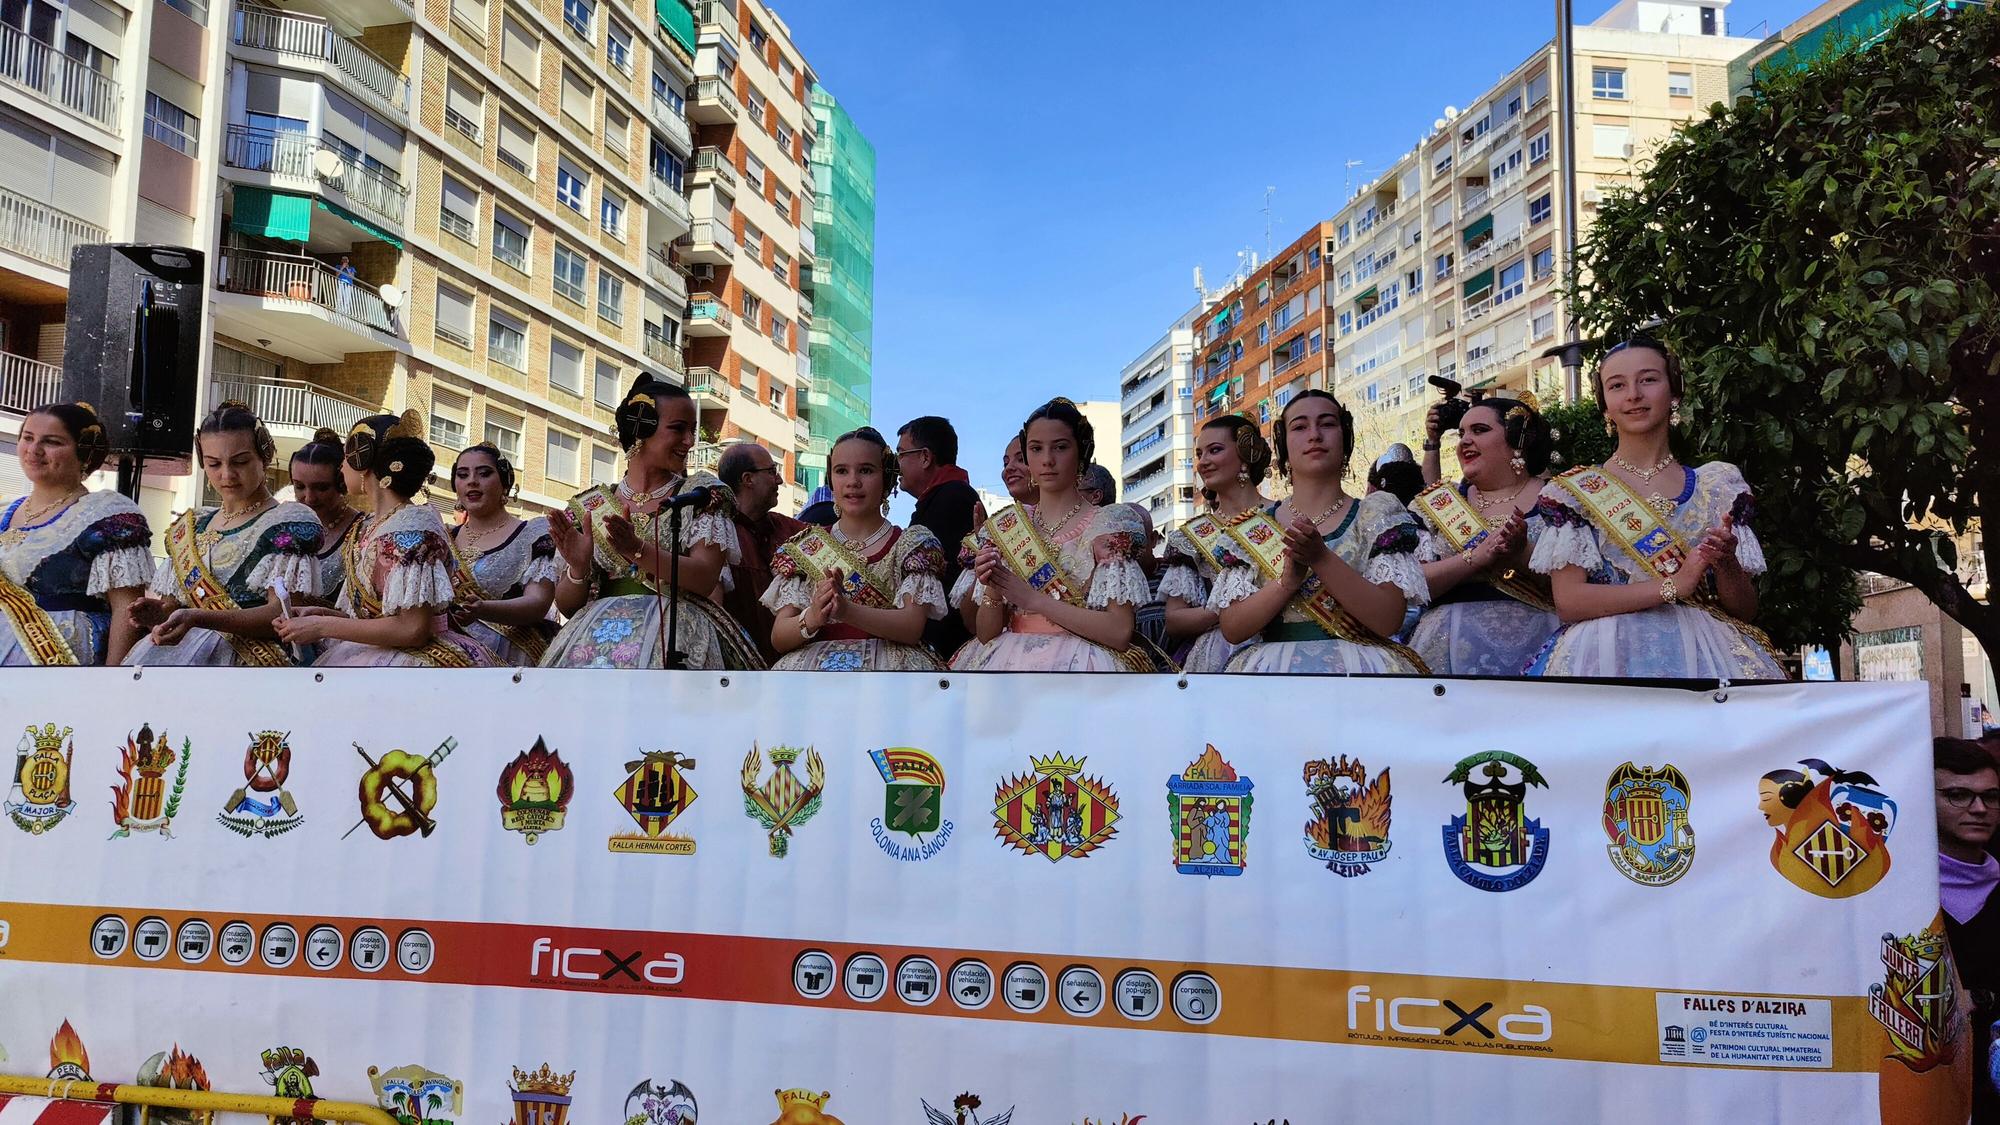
(570,574)
(1669,593)
(1433,446)
(808,634)
(1465,557)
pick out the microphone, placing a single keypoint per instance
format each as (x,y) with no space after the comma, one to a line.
(692,498)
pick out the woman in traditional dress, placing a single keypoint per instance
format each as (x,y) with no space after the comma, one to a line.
(504,567)
(1020,486)
(1489,613)
(617,560)
(213,601)
(392,604)
(318,483)
(1058,582)
(1320,581)
(1651,561)
(1232,458)
(72,561)
(854,597)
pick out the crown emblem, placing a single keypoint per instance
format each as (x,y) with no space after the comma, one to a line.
(49,739)
(542,1081)
(784,755)
(1056,765)
(788,1099)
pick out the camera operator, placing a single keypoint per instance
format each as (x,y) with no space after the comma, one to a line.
(1445,414)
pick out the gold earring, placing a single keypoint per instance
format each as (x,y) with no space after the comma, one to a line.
(1674,416)
(1609,429)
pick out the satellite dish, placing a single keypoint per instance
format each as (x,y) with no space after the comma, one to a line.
(1450,112)
(391,296)
(1438,124)
(328,163)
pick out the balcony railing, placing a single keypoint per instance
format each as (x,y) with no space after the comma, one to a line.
(291,402)
(716,91)
(36,230)
(663,353)
(1496,246)
(668,120)
(309,37)
(30,64)
(714,160)
(707,306)
(673,201)
(287,277)
(657,267)
(294,156)
(28,383)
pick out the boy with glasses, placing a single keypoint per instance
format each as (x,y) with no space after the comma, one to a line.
(1968,810)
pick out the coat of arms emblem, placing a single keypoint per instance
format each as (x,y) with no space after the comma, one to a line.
(1832,828)
(290,1072)
(541,1097)
(1349,829)
(142,801)
(174,1069)
(1646,819)
(1917,1001)
(1495,846)
(68,1060)
(41,779)
(650,1103)
(1208,808)
(416,1096)
(535,790)
(262,807)
(399,792)
(964,1111)
(655,791)
(803,1107)
(783,802)
(1055,812)
(912,803)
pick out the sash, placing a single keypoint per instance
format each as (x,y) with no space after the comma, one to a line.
(465,585)
(436,652)
(1262,539)
(39,637)
(1030,557)
(1462,528)
(818,553)
(198,585)
(1632,524)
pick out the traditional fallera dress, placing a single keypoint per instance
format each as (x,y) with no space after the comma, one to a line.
(527,556)
(233,569)
(54,575)
(400,563)
(1189,575)
(624,623)
(1595,521)
(1312,634)
(329,559)
(1092,563)
(1485,625)
(905,568)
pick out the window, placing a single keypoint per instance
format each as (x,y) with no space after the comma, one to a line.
(507,340)
(610,296)
(618,45)
(1414,279)
(1538,89)
(754,103)
(458,211)
(753,241)
(171,125)
(1263,332)
(611,215)
(787,73)
(571,185)
(510,240)
(1544,262)
(517,146)
(504,430)
(1346,323)
(753,310)
(1511,283)
(1513,108)
(606,389)
(784,137)
(781,264)
(781,197)
(753,172)
(1505,166)
(617,128)
(1313,344)
(454,318)
(520,51)
(570,270)
(1346,280)
(1442,270)
(562,457)
(780,331)
(1538,209)
(1538,148)
(778,396)
(448,415)
(603,465)
(1607,82)
(577,13)
(1612,141)
(462,107)
(671,93)
(577,97)
(1680,84)
(1544,325)
(471,13)
(758,36)
(565,367)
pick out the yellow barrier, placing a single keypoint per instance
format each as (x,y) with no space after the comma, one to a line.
(203,1102)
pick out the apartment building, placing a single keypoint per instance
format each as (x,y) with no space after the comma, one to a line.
(1266,337)
(841,308)
(1157,438)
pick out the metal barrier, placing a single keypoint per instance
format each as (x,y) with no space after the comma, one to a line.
(205,1103)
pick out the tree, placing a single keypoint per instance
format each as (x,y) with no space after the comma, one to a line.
(1823,257)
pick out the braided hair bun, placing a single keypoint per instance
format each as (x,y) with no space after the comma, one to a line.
(392,448)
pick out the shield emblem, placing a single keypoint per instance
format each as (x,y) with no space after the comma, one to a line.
(1645,816)
(913,808)
(655,794)
(1494,828)
(46,780)
(1830,853)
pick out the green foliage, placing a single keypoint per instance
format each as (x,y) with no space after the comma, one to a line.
(1823,256)
(1580,436)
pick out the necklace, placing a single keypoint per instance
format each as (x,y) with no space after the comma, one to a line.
(862,545)
(626,493)
(25,520)
(1330,509)
(1063,522)
(1486,504)
(1645,475)
(470,545)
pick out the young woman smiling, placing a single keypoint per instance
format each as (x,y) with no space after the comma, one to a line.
(504,566)
(1232,458)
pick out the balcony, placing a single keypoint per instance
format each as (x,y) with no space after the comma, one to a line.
(801,432)
(671,206)
(300,304)
(706,455)
(709,389)
(707,316)
(27,383)
(805,317)
(716,20)
(802,379)
(29,64)
(295,159)
(36,230)
(714,103)
(808,243)
(1476,309)
(1496,247)
(669,276)
(1474,200)
(711,165)
(671,126)
(291,407)
(710,243)
(666,355)
(295,38)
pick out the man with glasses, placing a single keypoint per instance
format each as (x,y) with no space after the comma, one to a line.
(751,474)
(927,459)
(1968,810)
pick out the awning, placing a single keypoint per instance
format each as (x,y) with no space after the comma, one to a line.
(1220,392)
(272,214)
(21,1109)
(1482,225)
(1366,298)
(1221,319)
(678,20)
(1479,282)
(346,216)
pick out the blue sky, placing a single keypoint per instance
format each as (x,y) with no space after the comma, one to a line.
(1049,175)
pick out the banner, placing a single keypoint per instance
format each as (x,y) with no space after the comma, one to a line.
(542,896)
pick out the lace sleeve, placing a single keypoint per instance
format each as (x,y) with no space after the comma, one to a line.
(1231,586)
(420,576)
(119,547)
(1181,580)
(1568,538)
(542,557)
(1392,549)
(790,590)
(922,562)
(290,551)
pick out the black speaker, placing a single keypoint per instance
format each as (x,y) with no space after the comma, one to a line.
(132,343)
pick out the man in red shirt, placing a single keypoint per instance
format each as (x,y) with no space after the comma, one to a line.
(751,474)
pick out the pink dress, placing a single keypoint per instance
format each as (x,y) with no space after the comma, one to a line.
(1102,554)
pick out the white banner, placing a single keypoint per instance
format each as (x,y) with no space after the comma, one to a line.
(815,898)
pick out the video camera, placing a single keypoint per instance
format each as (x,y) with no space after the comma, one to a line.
(1456,402)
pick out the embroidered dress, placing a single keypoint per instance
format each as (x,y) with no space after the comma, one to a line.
(527,556)
(1189,574)
(1474,629)
(624,623)
(1665,641)
(1378,538)
(332,570)
(907,565)
(64,566)
(1102,555)
(402,562)
(280,545)
(961,589)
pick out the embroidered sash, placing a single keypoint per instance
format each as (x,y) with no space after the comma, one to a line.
(738,653)
(40,639)
(818,553)
(199,588)
(1030,557)
(1463,528)
(1659,550)
(437,652)
(1261,538)
(466,588)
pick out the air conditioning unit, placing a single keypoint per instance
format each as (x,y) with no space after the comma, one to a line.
(702,271)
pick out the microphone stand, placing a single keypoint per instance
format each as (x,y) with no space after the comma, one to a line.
(674,657)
